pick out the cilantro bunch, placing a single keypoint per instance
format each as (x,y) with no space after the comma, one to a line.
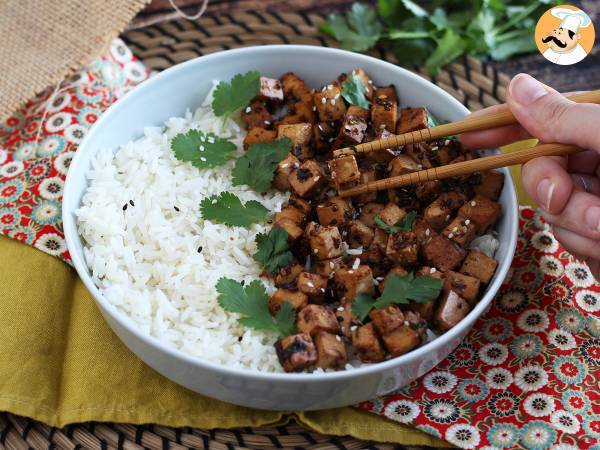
(445,30)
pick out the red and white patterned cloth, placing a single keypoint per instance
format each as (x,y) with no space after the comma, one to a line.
(528,374)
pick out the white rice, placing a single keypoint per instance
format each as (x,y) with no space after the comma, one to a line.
(145,259)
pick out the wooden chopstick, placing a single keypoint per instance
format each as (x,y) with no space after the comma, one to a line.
(462,168)
(476,123)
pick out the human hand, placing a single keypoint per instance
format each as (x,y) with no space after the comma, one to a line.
(566,188)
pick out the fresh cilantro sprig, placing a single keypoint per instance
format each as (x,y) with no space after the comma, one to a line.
(229,97)
(228,209)
(273,250)
(358,30)
(257,167)
(404,224)
(353,91)
(252,302)
(202,150)
(399,290)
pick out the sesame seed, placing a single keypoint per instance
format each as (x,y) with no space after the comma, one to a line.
(382,126)
(434,148)
(427,232)
(338,338)
(370,82)
(310,284)
(314,108)
(379,278)
(451,235)
(351,271)
(375,282)
(331,265)
(203,159)
(125,207)
(131,203)
(202,148)
(214,202)
(316,250)
(248,109)
(406,323)
(336,96)
(467,222)
(455,229)
(433,270)
(448,217)
(447,141)
(315,179)
(341,308)
(199,249)
(284,165)
(323,100)
(473,203)
(267,122)
(353,328)
(356,263)
(211,140)
(322,289)
(176,208)
(333,102)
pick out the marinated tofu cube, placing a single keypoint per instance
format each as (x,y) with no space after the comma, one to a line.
(313,285)
(425,310)
(366,177)
(307,179)
(296,353)
(313,319)
(366,344)
(346,319)
(417,323)
(441,155)
(291,213)
(257,135)
(423,231)
(400,341)
(490,184)
(331,351)
(334,211)
(443,254)
(359,235)
(257,116)
(358,112)
(384,156)
(296,299)
(402,248)
(293,86)
(325,242)
(344,170)
(292,228)
(437,214)
(348,283)
(283,171)
(327,267)
(482,211)
(412,119)
(387,319)
(428,191)
(270,90)
(354,127)
(305,109)
(300,204)
(384,111)
(369,212)
(301,136)
(392,214)
(451,310)
(396,270)
(460,230)
(479,265)
(420,154)
(324,134)
(287,275)
(453,199)
(401,165)
(380,239)
(330,104)
(290,119)
(464,285)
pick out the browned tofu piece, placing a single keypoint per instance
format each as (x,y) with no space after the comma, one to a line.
(453,199)
(369,212)
(375,258)
(256,135)
(334,211)
(430,272)
(292,213)
(313,319)
(359,235)
(293,86)
(380,239)
(346,319)
(366,344)
(348,283)
(327,267)
(437,214)
(391,214)
(283,171)
(299,203)
(354,127)
(384,111)
(402,248)
(296,299)
(464,285)
(287,275)
(420,154)
(324,134)
(312,284)
(257,116)
(441,155)
(396,270)
(325,242)
(417,323)
(491,184)
(293,229)
(442,253)
(331,351)
(423,231)
(270,90)
(305,109)
(290,119)
(296,352)
(480,266)
(358,112)
(366,177)
(402,340)
(425,310)
(301,136)
(344,170)
(307,179)
(451,310)
(330,104)
(428,191)
(460,230)
(387,319)
(412,119)
(401,165)
(385,156)
(482,211)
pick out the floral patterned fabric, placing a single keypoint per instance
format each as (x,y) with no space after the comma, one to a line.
(38,142)
(527,376)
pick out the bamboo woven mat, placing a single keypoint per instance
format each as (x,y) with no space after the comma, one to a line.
(160,46)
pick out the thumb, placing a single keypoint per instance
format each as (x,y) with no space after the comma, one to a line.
(551,117)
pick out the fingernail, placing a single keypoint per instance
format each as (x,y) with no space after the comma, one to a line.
(526,89)
(592,217)
(545,190)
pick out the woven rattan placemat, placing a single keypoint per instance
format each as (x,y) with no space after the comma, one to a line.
(160,46)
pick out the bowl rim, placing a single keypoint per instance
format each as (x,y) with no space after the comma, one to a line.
(126,322)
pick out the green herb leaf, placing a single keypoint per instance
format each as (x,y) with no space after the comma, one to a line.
(358,30)
(252,302)
(273,250)
(362,305)
(449,47)
(257,167)
(229,97)
(228,209)
(202,150)
(404,224)
(353,91)
(403,289)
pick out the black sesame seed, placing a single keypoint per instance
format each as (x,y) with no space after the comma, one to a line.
(243,282)
(131,203)
(176,208)
(124,206)
(199,249)
(240,338)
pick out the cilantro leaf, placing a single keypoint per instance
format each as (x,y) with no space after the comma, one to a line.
(448,48)
(404,224)
(257,167)
(362,305)
(252,302)
(358,30)
(229,97)
(228,209)
(353,91)
(202,150)
(273,250)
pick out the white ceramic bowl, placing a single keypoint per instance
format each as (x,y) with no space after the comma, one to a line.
(184,87)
